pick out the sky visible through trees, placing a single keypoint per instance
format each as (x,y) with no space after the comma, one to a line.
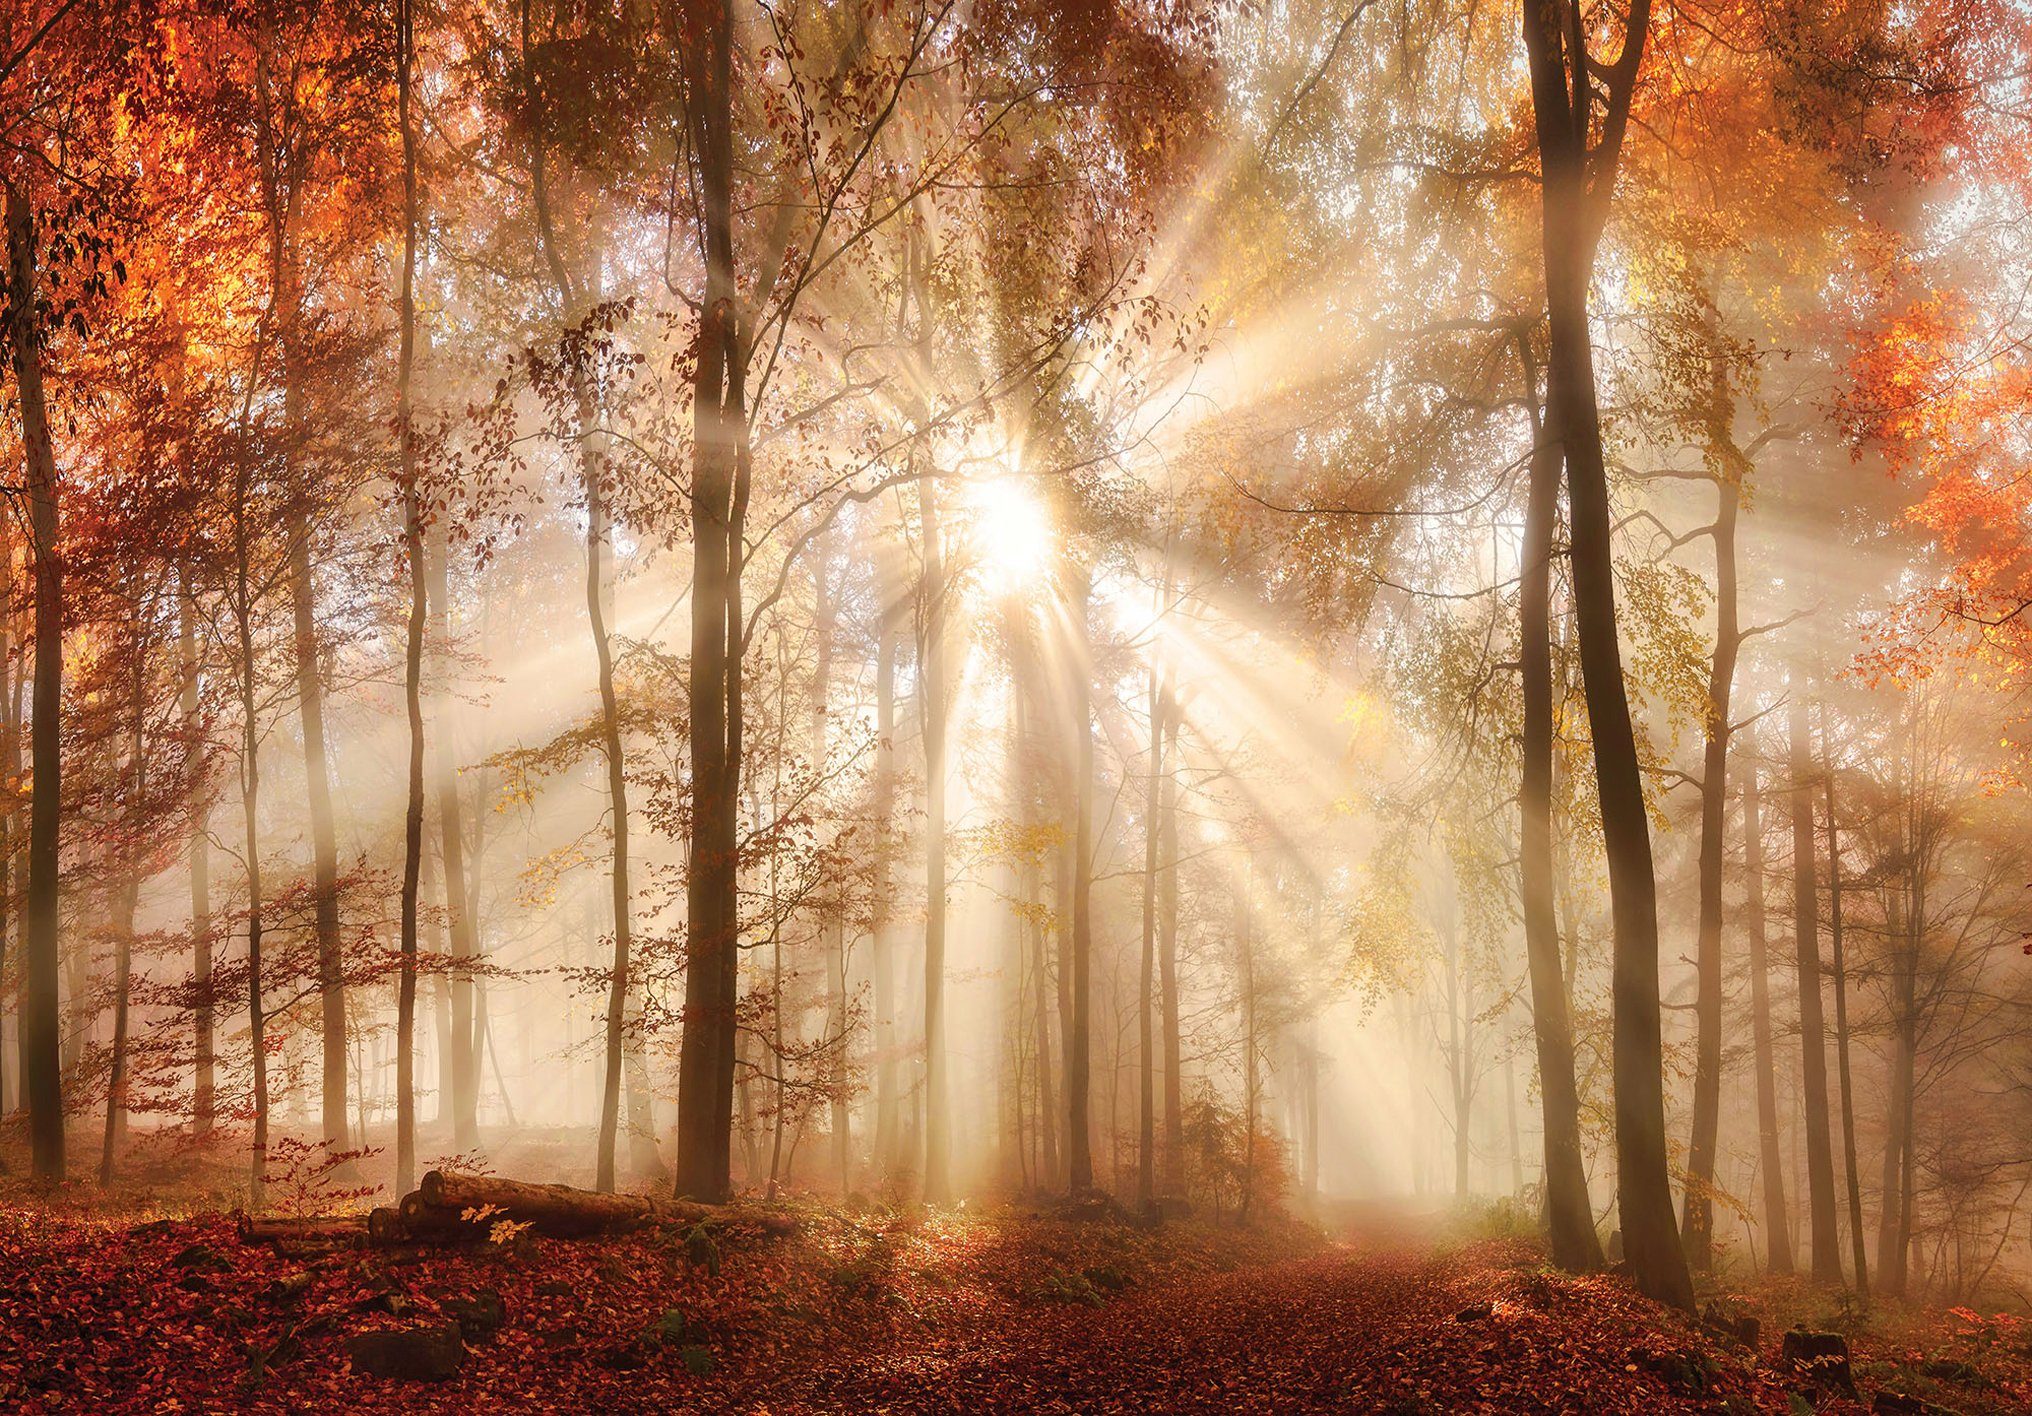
(1206,610)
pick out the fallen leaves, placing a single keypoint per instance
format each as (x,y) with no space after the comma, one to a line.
(899,1312)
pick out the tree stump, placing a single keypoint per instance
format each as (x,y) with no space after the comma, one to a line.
(426,1353)
(1821,1357)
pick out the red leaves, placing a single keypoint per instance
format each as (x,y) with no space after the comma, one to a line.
(999,1313)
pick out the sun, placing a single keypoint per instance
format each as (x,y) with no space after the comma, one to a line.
(1009,532)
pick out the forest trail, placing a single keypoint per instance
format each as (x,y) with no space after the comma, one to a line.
(908,1311)
(1395,1328)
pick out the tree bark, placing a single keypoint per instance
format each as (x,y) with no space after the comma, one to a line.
(1894,1222)
(719,508)
(1697,1227)
(1570,1215)
(1778,1235)
(412,546)
(932,655)
(324,838)
(1079,1038)
(832,908)
(1858,1251)
(1167,956)
(42,1081)
(1827,1267)
(1574,207)
(618,990)
(464,1098)
(882,806)
(1146,977)
(204,1090)
(126,896)
(250,813)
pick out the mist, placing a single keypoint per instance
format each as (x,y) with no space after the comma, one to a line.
(1345,624)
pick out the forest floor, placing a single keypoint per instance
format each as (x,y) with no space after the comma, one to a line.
(908,1311)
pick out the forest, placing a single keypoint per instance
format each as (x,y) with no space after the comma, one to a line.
(1023,705)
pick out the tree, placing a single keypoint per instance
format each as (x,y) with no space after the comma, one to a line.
(1578,178)
(1812,1027)
(1777,1217)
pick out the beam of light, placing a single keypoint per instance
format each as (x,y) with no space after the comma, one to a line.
(1009,532)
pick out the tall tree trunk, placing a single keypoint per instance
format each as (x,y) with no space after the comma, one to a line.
(1245,943)
(1030,891)
(10,771)
(1697,1228)
(126,895)
(719,508)
(881,963)
(1777,1217)
(1858,1251)
(1575,1245)
(204,1090)
(598,543)
(1827,1267)
(1894,1223)
(12,876)
(931,655)
(1167,954)
(1146,977)
(250,812)
(832,908)
(41,1079)
(412,680)
(324,839)
(1079,1038)
(618,990)
(464,1098)
(1460,1048)
(1577,184)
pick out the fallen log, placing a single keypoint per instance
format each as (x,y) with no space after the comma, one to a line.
(269,1229)
(563,1211)
(385,1226)
(424,1220)
(552,1209)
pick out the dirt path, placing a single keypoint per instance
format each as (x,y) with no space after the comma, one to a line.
(1348,1330)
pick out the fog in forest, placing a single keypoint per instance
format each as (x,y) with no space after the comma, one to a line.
(986,604)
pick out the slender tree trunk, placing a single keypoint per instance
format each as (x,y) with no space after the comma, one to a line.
(1459,1052)
(42,1079)
(881,964)
(1079,1040)
(464,1096)
(1570,1215)
(832,923)
(412,546)
(204,1089)
(324,838)
(1245,943)
(1577,183)
(1857,1249)
(597,538)
(250,811)
(10,772)
(931,654)
(1894,1220)
(125,898)
(1812,1027)
(719,508)
(1146,978)
(1777,1231)
(1697,1227)
(598,543)
(1167,955)
(1030,892)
